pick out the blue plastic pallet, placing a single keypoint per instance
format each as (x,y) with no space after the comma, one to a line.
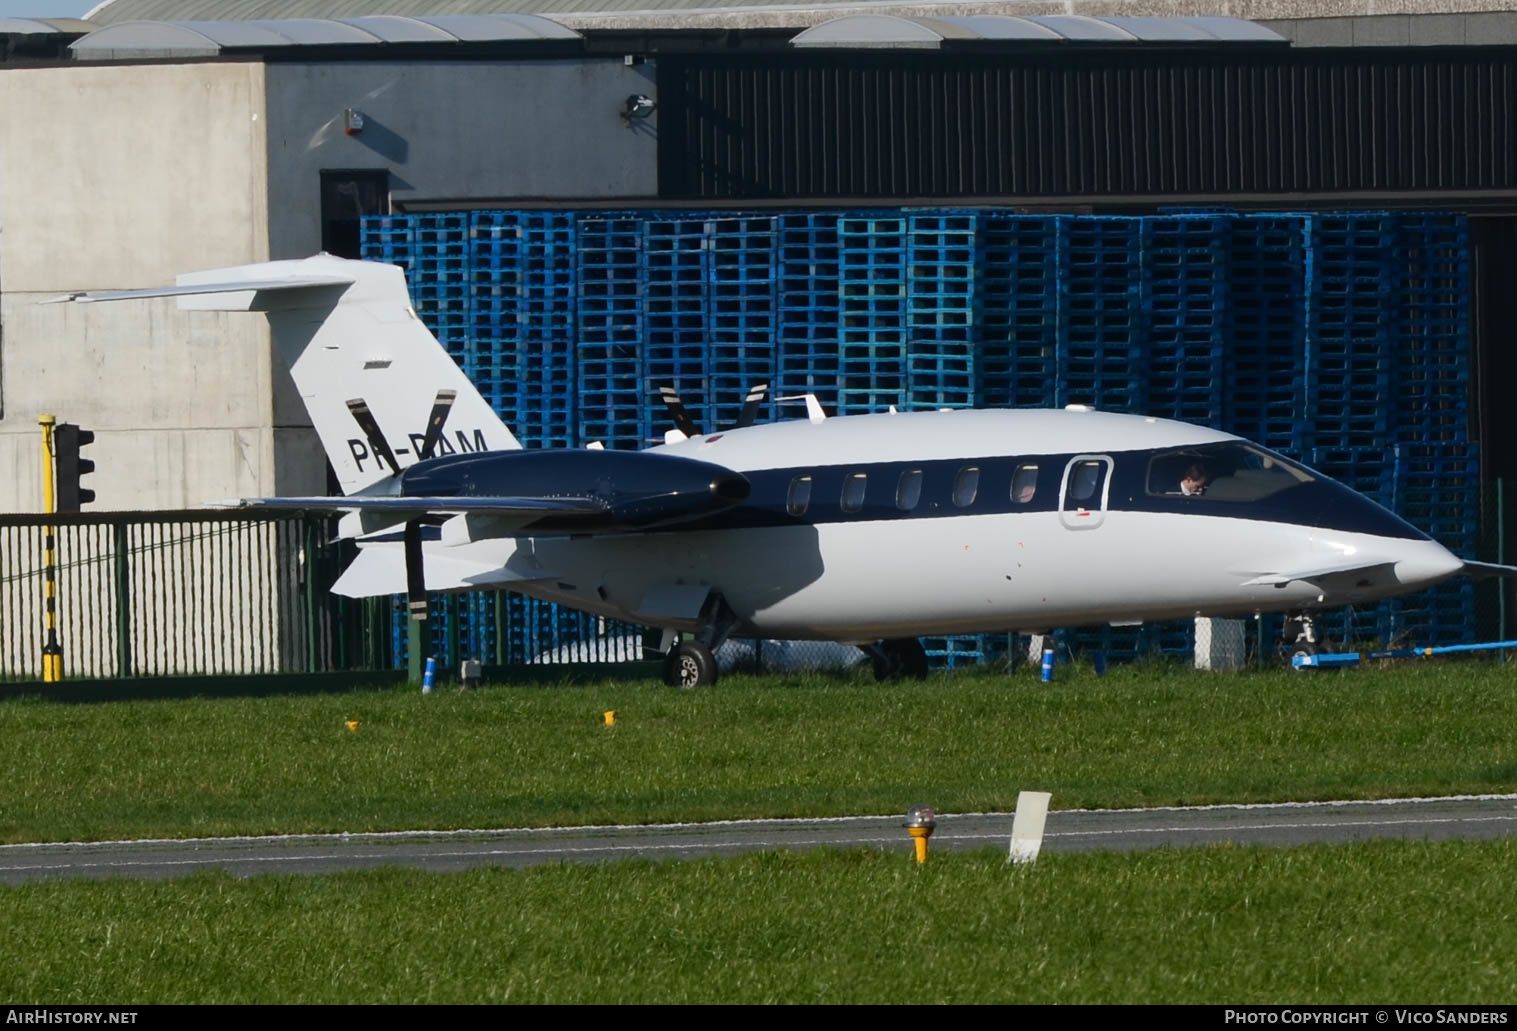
(1185,297)
(943,267)
(546,331)
(495,298)
(809,267)
(873,302)
(1264,388)
(962,651)
(742,314)
(609,323)
(1019,299)
(1102,325)
(674,317)
(1370,471)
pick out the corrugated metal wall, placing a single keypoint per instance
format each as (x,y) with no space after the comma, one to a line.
(1156,122)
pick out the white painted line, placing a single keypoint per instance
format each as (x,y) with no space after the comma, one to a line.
(1228,828)
(328,857)
(761,822)
(399,858)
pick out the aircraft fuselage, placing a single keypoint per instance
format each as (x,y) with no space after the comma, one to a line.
(958,522)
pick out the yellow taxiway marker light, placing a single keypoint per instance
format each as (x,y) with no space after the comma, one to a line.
(610,717)
(921,821)
(352,726)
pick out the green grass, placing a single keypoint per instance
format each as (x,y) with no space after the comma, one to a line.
(779,746)
(1379,923)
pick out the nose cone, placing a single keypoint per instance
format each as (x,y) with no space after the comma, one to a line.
(1424,563)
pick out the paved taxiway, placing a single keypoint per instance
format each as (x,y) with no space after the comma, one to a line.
(1296,823)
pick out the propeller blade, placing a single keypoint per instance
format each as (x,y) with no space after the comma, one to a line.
(751,405)
(416,578)
(440,409)
(359,408)
(682,420)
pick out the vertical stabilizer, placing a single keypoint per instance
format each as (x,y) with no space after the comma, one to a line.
(354,345)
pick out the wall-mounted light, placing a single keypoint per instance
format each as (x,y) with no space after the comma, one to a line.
(637,107)
(352,121)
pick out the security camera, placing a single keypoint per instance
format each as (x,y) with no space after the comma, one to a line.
(637,107)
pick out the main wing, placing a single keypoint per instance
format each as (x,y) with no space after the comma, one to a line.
(504,516)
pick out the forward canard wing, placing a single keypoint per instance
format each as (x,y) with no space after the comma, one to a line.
(1315,573)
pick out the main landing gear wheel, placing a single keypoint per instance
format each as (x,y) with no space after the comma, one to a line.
(1299,636)
(1301,648)
(901,658)
(689,665)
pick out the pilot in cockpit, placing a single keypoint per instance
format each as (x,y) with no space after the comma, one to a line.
(1194,481)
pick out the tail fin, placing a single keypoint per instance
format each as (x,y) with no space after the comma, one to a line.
(353,343)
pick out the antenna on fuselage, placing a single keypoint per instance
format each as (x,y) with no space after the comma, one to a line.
(813,406)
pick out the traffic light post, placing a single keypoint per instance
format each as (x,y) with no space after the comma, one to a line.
(61,492)
(52,654)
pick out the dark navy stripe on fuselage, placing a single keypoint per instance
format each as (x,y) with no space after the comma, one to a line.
(1321,502)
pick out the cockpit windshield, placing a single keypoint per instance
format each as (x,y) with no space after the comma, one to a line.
(1222,472)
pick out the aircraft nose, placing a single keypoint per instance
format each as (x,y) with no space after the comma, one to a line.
(1427,562)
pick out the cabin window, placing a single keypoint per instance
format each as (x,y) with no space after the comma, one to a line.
(966,485)
(853,491)
(909,491)
(1085,480)
(799,498)
(1223,472)
(1024,484)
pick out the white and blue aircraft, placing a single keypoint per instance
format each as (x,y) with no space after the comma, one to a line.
(868,529)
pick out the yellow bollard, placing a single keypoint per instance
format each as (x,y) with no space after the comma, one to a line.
(921,821)
(610,717)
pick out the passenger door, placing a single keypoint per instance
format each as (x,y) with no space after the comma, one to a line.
(1082,495)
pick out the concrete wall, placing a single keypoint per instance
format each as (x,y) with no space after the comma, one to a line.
(114,177)
(118,176)
(448,131)
(456,131)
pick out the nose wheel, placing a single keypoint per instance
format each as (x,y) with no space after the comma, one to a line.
(689,665)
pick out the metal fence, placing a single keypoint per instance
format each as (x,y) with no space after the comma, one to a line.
(163,593)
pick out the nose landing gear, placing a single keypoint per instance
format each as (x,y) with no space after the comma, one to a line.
(692,663)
